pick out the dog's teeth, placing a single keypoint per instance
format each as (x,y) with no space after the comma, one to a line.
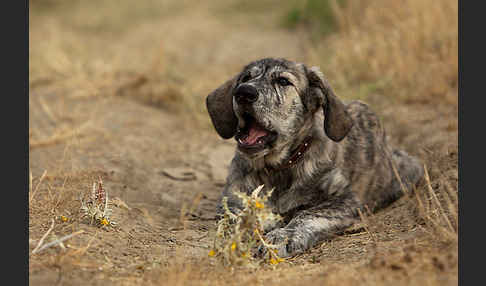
(260,141)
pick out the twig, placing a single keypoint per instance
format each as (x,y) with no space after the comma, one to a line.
(366,225)
(57,241)
(421,206)
(60,193)
(38,184)
(436,200)
(60,244)
(404,189)
(43,237)
(189,177)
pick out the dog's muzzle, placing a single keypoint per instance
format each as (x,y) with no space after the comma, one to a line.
(246,94)
(253,136)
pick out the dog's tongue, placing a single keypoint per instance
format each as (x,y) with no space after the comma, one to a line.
(255,132)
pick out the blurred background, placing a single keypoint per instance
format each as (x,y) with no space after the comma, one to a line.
(171,54)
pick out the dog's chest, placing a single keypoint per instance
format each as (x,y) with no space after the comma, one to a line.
(278,180)
(291,191)
(286,193)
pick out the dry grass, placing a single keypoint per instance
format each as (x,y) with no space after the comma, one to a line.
(56,205)
(422,260)
(440,216)
(76,52)
(59,136)
(408,47)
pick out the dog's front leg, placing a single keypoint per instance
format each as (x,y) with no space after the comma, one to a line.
(244,185)
(232,201)
(237,182)
(311,226)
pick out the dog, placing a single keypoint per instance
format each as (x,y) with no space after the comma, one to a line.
(326,160)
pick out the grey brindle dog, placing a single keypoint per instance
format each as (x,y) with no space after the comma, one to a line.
(325,159)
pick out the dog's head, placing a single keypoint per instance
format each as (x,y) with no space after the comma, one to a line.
(270,102)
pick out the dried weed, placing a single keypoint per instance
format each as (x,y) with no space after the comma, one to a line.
(239,235)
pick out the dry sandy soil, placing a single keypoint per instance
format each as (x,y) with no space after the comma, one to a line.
(125,103)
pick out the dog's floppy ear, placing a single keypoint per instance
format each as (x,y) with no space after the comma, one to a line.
(220,108)
(337,122)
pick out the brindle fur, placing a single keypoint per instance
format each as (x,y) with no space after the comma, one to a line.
(348,166)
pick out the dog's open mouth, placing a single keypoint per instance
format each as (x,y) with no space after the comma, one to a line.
(253,136)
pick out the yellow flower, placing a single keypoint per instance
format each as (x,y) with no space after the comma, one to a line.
(276,261)
(211,253)
(233,246)
(64,219)
(104,221)
(259,205)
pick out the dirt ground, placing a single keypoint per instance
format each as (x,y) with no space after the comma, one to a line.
(127,105)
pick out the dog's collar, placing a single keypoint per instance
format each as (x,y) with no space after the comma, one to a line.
(295,157)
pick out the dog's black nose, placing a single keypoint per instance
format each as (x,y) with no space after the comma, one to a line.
(246,93)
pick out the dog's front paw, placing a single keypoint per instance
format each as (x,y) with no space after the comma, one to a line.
(286,243)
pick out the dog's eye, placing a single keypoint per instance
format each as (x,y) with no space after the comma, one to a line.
(283,81)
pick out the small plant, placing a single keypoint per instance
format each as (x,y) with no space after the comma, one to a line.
(96,208)
(239,235)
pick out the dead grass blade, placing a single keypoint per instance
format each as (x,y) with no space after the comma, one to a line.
(30,182)
(439,206)
(58,137)
(402,186)
(441,217)
(43,237)
(452,206)
(366,226)
(37,186)
(58,241)
(185,212)
(47,110)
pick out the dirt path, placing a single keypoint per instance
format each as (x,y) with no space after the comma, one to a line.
(159,163)
(153,160)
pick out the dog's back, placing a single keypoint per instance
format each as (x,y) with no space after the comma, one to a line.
(370,174)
